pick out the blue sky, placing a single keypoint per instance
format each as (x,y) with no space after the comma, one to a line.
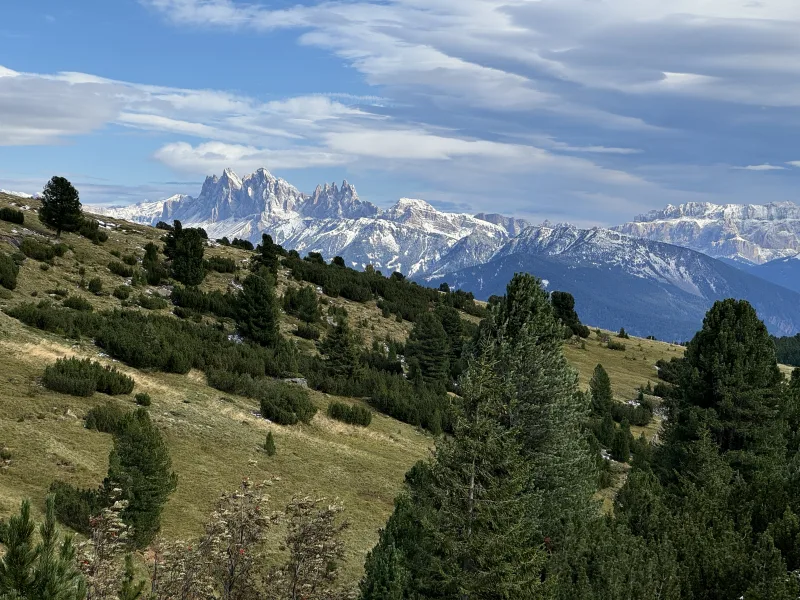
(589,111)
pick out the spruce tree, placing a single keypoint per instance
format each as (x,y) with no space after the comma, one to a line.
(141,466)
(61,206)
(428,344)
(257,314)
(621,446)
(600,389)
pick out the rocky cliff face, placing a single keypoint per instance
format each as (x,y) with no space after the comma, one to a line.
(749,233)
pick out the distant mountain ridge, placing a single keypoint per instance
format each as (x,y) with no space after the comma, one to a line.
(746,233)
(411,236)
(650,288)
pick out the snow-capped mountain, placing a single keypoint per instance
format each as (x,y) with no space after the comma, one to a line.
(411,236)
(650,288)
(16,194)
(749,233)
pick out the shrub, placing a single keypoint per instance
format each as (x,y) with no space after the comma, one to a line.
(164,226)
(12,215)
(75,506)
(8,271)
(95,285)
(354,415)
(121,269)
(77,303)
(61,293)
(223,241)
(222,305)
(143,399)
(221,265)
(41,251)
(613,345)
(130,259)
(105,418)
(152,302)
(307,332)
(242,244)
(623,334)
(90,229)
(123,292)
(83,377)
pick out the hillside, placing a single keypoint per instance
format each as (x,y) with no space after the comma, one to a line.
(214,438)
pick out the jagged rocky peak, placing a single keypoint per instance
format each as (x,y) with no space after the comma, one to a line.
(706,210)
(512,225)
(329,201)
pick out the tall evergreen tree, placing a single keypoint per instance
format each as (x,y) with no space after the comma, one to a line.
(600,389)
(45,571)
(257,314)
(454,329)
(550,409)
(61,206)
(428,345)
(268,254)
(470,518)
(564,310)
(341,349)
(141,466)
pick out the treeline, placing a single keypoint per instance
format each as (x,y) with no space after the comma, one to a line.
(787,350)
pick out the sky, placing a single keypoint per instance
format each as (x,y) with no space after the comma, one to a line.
(587,111)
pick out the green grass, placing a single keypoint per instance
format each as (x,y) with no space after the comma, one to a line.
(214,439)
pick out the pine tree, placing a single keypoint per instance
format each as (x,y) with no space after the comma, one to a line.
(564,310)
(185,247)
(140,464)
(732,388)
(61,206)
(621,446)
(129,589)
(257,314)
(550,409)
(341,348)
(269,444)
(600,389)
(454,329)
(268,254)
(46,571)
(428,344)
(307,305)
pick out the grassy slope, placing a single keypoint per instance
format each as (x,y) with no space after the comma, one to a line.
(214,441)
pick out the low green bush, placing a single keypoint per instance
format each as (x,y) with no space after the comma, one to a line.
(619,346)
(95,285)
(307,332)
(354,415)
(105,418)
(77,303)
(123,292)
(221,265)
(8,271)
(12,215)
(152,302)
(85,377)
(90,229)
(143,399)
(130,259)
(41,251)
(121,269)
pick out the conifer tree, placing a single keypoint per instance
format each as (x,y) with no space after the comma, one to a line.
(268,254)
(550,409)
(45,571)
(600,389)
(428,344)
(257,314)
(185,247)
(129,588)
(269,444)
(341,349)
(140,464)
(61,206)
(621,446)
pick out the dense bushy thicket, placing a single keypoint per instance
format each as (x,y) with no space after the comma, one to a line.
(121,269)
(354,415)
(185,247)
(307,332)
(787,350)
(215,302)
(670,371)
(105,418)
(90,229)
(396,295)
(283,403)
(77,303)
(8,271)
(242,244)
(41,251)
(221,264)
(76,506)
(151,301)
(85,377)
(12,215)
(302,303)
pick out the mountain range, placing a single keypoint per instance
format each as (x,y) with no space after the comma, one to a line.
(655,276)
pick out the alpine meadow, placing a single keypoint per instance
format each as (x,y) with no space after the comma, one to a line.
(549,348)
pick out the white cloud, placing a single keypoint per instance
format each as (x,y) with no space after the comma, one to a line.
(764,167)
